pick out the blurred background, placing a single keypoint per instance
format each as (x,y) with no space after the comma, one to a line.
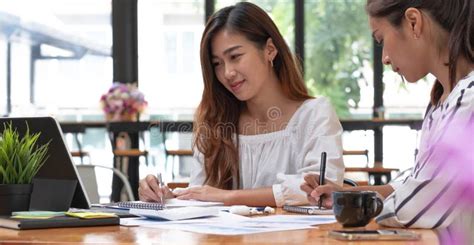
(57,57)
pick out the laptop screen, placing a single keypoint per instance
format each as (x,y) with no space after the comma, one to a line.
(59,164)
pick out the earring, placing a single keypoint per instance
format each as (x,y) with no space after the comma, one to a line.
(415,36)
(271,63)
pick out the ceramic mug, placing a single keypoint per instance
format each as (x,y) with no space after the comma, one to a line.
(356,208)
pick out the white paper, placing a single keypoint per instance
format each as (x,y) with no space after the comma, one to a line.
(175,203)
(182,213)
(231,224)
(139,221)
(223,217)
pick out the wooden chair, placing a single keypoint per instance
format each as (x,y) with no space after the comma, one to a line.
(376,174)
(116,128)
(167,127)
(357,153)
(125,139)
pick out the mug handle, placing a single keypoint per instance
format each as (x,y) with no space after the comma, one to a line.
(379,205)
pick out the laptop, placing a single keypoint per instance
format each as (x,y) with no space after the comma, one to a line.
(50,183)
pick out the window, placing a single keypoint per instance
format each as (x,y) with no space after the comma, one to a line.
(60,50)
(338,56)
(169,35)
(3,75)
(281,12)
(403,99)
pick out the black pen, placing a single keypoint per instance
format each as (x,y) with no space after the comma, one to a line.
(322,172)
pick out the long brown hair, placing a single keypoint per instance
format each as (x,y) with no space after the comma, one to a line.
(454,16)
(217,117)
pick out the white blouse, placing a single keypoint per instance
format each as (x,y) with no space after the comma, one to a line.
(432,195)
(279,159)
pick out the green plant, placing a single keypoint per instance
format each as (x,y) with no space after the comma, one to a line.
(20,157)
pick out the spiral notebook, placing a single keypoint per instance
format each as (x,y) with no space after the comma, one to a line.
(170,203)
(313,210)
(141,205)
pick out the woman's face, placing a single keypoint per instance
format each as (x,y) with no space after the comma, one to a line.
(402,48)
(239,65)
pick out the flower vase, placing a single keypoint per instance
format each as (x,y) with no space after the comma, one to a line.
(118,117)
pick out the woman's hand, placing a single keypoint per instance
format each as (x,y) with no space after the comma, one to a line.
(314,191)
(151,191)
(204,193)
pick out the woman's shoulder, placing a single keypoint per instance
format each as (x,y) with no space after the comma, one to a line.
(314,111)
(463,93)
(314,107)
(467,82)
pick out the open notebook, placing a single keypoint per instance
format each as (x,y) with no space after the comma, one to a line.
(169,203)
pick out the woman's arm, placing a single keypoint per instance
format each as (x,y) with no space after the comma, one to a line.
(250,197)
(314,191)
(253,197)
(319,131)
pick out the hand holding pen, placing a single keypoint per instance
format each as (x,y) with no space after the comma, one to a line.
(152,189)
(322,173)
(318,189)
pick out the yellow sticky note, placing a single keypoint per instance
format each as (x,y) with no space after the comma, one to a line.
(90,215)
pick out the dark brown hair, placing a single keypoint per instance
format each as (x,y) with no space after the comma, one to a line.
(217,117)
(454,16)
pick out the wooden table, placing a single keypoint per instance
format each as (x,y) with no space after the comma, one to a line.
(120,234)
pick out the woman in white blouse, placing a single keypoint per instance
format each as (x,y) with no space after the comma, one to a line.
(256,129)
(421,37)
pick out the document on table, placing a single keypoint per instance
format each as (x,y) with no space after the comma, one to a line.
(231,224)
(223,217)
(258,225)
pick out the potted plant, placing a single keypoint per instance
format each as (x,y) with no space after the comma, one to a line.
(123,102)
(20,160)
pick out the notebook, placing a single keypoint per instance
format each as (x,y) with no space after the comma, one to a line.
(140,205)
(169,203)
(307,210)
(177,213)
(55,222)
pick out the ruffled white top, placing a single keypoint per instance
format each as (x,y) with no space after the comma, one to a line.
(279,159)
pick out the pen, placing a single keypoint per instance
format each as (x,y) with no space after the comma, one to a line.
(322,172)
(160,182)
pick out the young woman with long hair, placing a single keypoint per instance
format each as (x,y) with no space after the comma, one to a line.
(256,129)
(419,38)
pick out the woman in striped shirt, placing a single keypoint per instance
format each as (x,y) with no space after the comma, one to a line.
(421,37)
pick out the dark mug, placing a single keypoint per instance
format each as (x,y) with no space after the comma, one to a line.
(356,208)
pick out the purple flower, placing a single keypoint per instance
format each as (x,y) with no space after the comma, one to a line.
(123,99)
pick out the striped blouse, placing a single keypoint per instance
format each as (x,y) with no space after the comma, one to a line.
(438,192)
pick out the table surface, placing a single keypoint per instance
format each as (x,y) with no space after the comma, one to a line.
(120,234)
